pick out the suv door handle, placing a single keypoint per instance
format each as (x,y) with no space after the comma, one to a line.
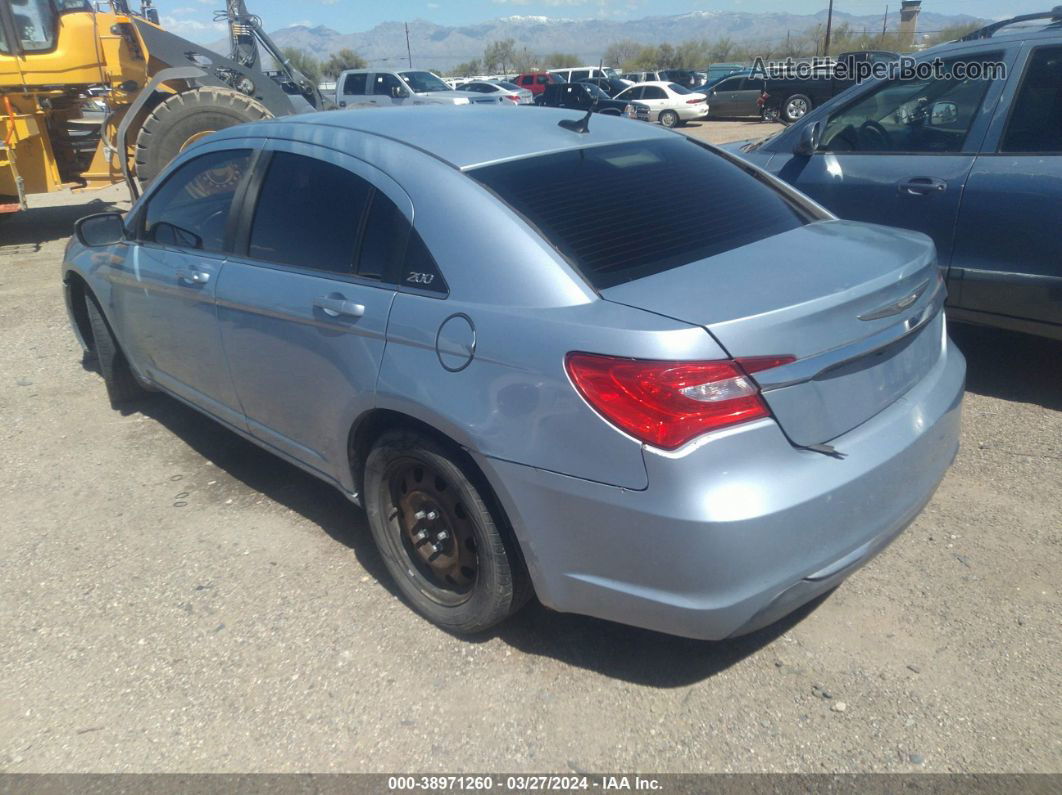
(334,306)
(192,276)
(922,186)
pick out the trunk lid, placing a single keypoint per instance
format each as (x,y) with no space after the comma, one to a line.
(857,305)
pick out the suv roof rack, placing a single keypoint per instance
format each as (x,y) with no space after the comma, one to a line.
(987,32)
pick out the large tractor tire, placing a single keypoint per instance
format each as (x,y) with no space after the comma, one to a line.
(182,119)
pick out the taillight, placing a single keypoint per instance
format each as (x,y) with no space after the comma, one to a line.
(694,101)
(514,98)
(666,404)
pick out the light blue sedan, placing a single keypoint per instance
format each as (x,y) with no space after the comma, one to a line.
(503,336)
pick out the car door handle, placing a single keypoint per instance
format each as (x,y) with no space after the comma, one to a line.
(335,306)
(192,276)
(922,186)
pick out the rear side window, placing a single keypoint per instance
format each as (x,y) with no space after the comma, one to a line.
(386,233)
(1036,120)
(626,211)
(191,209)
(309,213)
(354,85)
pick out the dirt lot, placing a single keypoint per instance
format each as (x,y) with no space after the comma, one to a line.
(175,599)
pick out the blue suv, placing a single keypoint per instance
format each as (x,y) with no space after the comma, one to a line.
(975,163)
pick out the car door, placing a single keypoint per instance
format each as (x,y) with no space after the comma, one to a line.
(723,98)
(387,90)
(303,305)
(900,152)
(1008,249)
(746,97)
(354,90)
(164,292)
(655,98)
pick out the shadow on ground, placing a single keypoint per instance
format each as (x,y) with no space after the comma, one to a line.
(40,225)
(1011,366)
(614,650)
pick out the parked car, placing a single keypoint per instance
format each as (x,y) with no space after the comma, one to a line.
(584,73)
(363,87)
(668,103)
(536,82)
(976,164)
(580,96)
(510,91)
(792,98)
(735,95)
(499,335)
(610,85)
(642,77)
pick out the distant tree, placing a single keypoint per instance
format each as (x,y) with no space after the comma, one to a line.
(562,60)
(339,62)
(467,69)
(666,56)
(621,53)
(499,56)
(951,33)
(304,62)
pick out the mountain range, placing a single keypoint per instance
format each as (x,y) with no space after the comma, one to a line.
(441,47)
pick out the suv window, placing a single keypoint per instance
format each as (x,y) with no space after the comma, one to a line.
(543,80)
(1036,119)
(918,116)
(582,74)
(580,201)
(309,213)
(730,84)
(354,85)
(191,209)
(527,80)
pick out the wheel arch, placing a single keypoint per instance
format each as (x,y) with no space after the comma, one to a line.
(76,292)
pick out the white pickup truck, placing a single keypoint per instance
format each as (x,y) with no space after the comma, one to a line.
(373,87)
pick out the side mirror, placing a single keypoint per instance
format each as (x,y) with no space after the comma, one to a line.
(398,92)
(810,138)
(943,114)
(102,229)
(342,104)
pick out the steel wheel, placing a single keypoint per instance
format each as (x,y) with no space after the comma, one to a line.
(434,530)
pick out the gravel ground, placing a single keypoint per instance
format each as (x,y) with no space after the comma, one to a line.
(175,599)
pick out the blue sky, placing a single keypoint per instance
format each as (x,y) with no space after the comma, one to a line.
(192,18)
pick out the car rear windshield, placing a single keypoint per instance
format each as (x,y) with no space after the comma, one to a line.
(625,211)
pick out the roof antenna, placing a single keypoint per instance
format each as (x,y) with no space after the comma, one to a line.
(582,126)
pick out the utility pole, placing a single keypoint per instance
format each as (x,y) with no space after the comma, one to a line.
(829,31)
(885,26)
(409,52)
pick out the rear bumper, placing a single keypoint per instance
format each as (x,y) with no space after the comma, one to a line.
(740,528)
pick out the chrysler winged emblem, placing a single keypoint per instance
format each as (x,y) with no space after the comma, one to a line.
(897,307)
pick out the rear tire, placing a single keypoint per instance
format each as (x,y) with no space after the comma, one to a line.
(796,107)
(669,119)
(184,118)
(122,386)
(471,579)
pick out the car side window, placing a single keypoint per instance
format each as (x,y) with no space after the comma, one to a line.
(309,213)
(581,75)
(654,92)
(543,80)
(384,241)
(191,208)
(419,270)
(354,85)
(526,80)
(1035,124)
(385,84)
(931,115)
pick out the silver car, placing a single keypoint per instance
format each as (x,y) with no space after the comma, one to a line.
(499,88)
(404,88)
(508,342)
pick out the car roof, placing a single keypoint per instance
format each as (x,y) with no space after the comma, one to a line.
(465,137)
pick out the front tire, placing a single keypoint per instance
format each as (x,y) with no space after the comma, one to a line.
(122,386)
(450,554)
(182,119)
(669,119)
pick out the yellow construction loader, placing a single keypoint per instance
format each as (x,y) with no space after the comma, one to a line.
(91,96)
